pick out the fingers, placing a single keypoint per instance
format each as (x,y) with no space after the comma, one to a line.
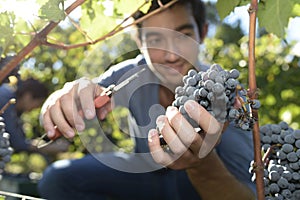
(86,93)
(184,130)
(48,125)
(71,113)
(205,120)
(208,124)
(63,108)
(58,119)
(104,110)
(168,158)
(175,144)
(158,153)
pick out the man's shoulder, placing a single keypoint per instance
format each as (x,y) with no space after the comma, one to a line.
(129,64)
(122,69)
(6,92)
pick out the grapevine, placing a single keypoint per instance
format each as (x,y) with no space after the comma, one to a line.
(281,148)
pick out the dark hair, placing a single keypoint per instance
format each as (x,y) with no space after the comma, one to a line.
(37,89)
(197,6)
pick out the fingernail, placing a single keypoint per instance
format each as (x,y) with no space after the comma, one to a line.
(189,105)
(171,111)
(160,122)
(103,114)
(50,134)
(70,134)
(88,114)
(79,127)
(151,134)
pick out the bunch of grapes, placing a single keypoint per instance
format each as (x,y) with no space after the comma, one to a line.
(5,148)
(215,90)
(281,148)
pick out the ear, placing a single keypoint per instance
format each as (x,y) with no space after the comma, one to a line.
(142,48)
(139,44)
(135,35)
(204,32)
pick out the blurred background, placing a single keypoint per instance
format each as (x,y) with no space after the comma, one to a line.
(277,66)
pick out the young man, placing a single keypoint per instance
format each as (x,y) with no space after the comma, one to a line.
(169,44)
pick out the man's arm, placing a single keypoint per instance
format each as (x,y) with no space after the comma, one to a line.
(213,181)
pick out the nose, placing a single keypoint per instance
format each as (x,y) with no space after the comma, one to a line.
(172,52)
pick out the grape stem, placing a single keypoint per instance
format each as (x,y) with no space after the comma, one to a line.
(269,151)
(242,102)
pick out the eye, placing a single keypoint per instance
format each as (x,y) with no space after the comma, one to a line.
(185,36)
(154,41)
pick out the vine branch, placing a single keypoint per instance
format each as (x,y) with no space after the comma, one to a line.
(36,41)
(114,31)
(253,94)
(41,37)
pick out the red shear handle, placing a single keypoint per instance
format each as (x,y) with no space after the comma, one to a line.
(57,134)
(102,99)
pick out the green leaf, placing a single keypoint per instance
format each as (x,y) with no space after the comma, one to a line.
(296,10)
(7,32)
(128,7)
(225,7)
(244,2)
(274,16)
(296,1)
(98,25)
(53,10)
(146,7)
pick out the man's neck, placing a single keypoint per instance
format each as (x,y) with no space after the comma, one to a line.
(166,96)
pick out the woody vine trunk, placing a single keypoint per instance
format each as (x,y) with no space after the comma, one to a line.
(253,94)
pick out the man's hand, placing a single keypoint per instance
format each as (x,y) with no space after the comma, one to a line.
(185,146)
(66,108)
(187,149)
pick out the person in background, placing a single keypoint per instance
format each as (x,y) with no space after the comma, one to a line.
(169,43)
(29,94)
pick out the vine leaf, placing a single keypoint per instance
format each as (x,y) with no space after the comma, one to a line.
(53,10)
(128,7)
(274,15)
(225,7)
(296,10)
(99,24)
(7,32)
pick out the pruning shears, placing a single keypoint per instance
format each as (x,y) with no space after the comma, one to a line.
(105,96)
(99,101)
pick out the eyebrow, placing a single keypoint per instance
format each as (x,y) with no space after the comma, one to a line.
(180,28)
(185,26)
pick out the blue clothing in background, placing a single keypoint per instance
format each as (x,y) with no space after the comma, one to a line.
(14,125)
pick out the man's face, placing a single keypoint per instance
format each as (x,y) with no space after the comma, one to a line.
(170,41)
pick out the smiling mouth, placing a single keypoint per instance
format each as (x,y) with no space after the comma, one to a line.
(172,70)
